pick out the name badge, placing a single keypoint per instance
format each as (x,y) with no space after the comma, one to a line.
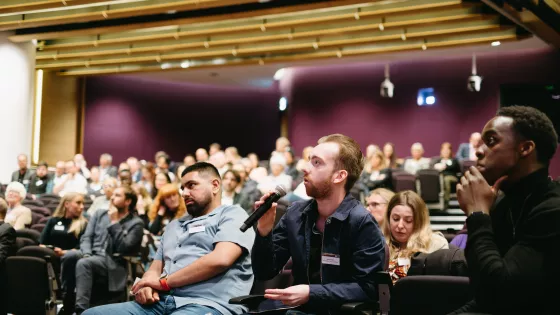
(59,227)
(39,183)
(196,228)
(330,259)
(403,261)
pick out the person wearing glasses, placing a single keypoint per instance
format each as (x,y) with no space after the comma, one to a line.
(377,202)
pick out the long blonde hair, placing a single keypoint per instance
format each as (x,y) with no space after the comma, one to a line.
(166,191)
(78,224)
(420,239)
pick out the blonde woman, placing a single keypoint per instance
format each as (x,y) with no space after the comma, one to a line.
(144,203)
(64,229)
(376,174)
(407,231)
(377,203)
(168,205)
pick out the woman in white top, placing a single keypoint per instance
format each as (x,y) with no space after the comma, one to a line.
(17,216)
(407,231)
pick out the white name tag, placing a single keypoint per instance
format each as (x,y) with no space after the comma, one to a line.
(330,259)
(39,183)
(403,261)
(59,227)
(196,228)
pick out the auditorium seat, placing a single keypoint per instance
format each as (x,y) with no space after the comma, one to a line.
(465,164)
(43,220)
(22,242)
(39,227)
(30,234)
(35,218)
(36,203)
(430,188)
(43,252)
(404,181)
(40,210)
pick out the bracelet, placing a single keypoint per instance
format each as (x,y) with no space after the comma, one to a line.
(164,285)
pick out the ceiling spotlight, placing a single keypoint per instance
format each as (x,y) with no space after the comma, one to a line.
(165,66)
(381,27)
(475,81)
(387,87)
(219,61)
(282,104)
(496,43)
(185,64)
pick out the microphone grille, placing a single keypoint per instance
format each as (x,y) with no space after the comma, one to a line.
(280,190)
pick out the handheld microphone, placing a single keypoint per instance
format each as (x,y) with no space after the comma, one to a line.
(255,216)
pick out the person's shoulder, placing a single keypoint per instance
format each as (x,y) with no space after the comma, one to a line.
(298,206)
(23,209)
(231,211)
(438,241)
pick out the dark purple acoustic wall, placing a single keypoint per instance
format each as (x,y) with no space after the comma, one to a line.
(346,99)
(132,117)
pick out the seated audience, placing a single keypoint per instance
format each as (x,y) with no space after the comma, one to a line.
(135,169)
(72,181)
(232,155)
(148,177)
(201,155)
(417,162)
(109,232)
(144,203)
(163,166)
(38,182)
(81,164)
(17,216)
(105,166)
(60,170)
(254,159)
(449,167)
(230,181)
(218,159)
(512,247)
(160,180)
(214,148)
(335,267)
(377,204)
(168,205)
(7,246)
(282,143)
(23,174)
(277,177)
(376,174)
(390,155)
(198,268)
(103,202)
(188,160)
(407,231)
(304,159)
(246,188)
(467,151)
(291,169)
(64,229)
(95,186)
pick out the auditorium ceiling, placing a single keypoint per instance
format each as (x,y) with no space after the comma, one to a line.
(94,37)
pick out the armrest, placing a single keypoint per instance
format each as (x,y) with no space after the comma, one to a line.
(247,299)
(358,307)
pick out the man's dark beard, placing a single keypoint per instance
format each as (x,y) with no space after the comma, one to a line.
(319,191)
(195,209)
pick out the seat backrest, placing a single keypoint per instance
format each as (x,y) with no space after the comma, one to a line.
(23,242)
(36,203)
(44,211)
(28,282)
(402,182)
(35,217)
(435,295)
(283,280)
(430,187)
(39,227)
(42,252)
(443,262)
(43,220)
(465,164)
(30,234)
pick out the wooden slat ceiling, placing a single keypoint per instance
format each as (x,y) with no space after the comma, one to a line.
(240,32)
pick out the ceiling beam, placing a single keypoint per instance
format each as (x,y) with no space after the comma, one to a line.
(105,13)
(97,31)
(301,57)
(27,6)
(425,35)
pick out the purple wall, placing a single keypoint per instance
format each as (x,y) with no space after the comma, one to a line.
(132,117)
(346,99)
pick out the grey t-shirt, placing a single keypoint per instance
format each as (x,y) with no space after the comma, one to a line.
(187,239)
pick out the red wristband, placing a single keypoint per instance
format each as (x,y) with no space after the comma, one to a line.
(164,285)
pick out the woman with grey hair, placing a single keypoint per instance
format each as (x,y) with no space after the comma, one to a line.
(17,216)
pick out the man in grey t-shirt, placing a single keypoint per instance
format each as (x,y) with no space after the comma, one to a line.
(203,261)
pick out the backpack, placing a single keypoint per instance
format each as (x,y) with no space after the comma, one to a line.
(443,262)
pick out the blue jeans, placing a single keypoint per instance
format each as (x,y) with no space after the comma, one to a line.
(165,306)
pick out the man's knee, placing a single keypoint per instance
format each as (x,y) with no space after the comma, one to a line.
(85,263)
(72,256)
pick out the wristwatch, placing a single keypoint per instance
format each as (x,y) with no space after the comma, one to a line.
(477,213)
(163,282)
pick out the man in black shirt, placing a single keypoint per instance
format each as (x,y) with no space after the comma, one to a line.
(512,247)
(39,181)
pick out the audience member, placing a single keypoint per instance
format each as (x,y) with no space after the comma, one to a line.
(232,155)
(23,174)
(417,162)
(106,166)
(407,230)
(390,155)
(60,170)
(64,229)
(72,181)
(376,173)
(81,164)
(125,177)
(282,143)
(254,159)
(331,269)
(166,207)
(460,240)
(135,169)
(17,216)
(449,167)
(104,201)
(7,246)
(214,148)
(203,260)
(230,181)
(95,186)
(291,169)
(467,151)
(144,203)
(512,246)
(201,155)
(370,150)
(188,160)
(377,204)
(277,177)
(304,158)
(160,180)
(109,232)
(39,182)
(247,189)
(218,159)
(163,166)
(148,177)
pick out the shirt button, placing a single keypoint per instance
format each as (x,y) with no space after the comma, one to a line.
(179,245)
(174,261)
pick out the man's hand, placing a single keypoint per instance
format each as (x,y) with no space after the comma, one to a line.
(292,296)
(475,194)
(59,251)
(161,210)
(149,281)
(113,214)
(147,296)
(266,222)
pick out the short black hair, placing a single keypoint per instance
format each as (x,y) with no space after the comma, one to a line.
(43,163)
(234,173)
(129,194)
(202,167)
(532,124)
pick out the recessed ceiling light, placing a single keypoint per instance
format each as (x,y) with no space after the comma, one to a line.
(165,65)
(185,64)
(496,43)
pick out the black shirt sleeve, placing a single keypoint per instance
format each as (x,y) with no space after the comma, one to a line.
(46,234)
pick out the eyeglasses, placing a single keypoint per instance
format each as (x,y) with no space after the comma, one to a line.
(375,204)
